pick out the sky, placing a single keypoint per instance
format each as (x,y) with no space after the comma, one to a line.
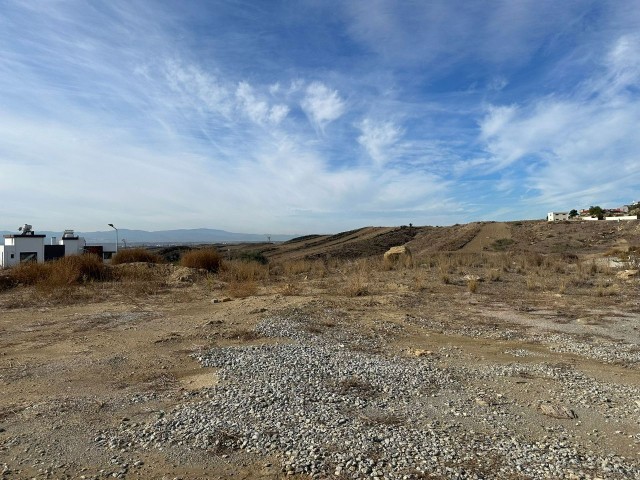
(314,116)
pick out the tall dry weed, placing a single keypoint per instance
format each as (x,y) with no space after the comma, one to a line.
(242,271)
(134,255)
(242,289)
(207,258)
(66,271)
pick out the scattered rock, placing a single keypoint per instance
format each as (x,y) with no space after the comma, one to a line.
(220,300)
(556,411)
(399,256)
(421,353)
(627,274)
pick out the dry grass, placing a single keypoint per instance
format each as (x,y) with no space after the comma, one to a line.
(242,289)
(71,270)
(134,255)
(420,281)
(355,386)
(290,289)
(242,271)
(207,258)
(494,275)
(140,280)
(356,285)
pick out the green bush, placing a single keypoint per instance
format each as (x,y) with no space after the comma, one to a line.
(253,257)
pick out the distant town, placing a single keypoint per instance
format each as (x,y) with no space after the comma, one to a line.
(625,212)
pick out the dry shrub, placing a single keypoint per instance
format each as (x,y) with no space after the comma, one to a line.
(242,289)
(494,275)
(290,289)
(562,287)
(605,289)
(356,285)
(533,284)
(243,277)
(71,270)
(6,282)
(242,271)
(533,260)
(355,386)
(296,267)
(141,279)
(420,281)
(206,258)
(134,255)
(29,273)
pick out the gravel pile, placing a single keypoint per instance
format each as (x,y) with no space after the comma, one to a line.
(597,348)
(613,401)
(326,409)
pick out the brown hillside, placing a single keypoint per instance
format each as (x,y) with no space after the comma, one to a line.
(522,236)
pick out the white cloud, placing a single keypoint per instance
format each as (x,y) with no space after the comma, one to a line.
(497,83)
(582,148)
(322,104)
(378,138)
(259,110)
(446,32)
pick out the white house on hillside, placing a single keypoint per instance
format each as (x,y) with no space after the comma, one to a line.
(557,216)
(29,247)
(24,247)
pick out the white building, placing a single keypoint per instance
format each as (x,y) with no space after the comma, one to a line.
(73,245)
(29,247)
(24,247)
(557,216)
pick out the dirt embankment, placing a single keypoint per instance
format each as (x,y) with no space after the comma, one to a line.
(524,236)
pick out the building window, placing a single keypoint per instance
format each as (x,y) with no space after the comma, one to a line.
(13,255)
(28,256)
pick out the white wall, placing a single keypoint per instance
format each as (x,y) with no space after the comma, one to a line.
(21,244)
(625,217)
(5,256)
(557,216)
(72,246)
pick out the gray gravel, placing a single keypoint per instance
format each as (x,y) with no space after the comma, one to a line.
(331,404)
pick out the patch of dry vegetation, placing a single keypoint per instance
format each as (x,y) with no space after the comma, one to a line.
(245,276)
(72,270)
(206,258)
(134,255)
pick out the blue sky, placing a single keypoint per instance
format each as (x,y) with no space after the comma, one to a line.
(314,116)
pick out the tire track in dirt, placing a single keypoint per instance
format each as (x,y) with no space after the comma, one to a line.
(488,234)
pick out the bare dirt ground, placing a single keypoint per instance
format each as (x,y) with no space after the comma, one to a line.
(518,332)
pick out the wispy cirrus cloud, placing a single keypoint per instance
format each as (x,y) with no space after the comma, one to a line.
(378,138)
(322,104)
(578,147)
(317,117)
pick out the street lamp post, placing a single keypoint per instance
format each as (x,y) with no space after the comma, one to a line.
(111,225)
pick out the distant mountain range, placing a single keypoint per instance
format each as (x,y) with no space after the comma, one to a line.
(197,235)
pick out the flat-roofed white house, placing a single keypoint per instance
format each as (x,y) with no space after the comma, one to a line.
(24,247)
(30,247)
(557,216)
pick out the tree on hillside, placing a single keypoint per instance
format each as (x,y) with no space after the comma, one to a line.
(596,211)
(573,213)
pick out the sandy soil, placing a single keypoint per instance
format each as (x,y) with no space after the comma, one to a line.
(73,370)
